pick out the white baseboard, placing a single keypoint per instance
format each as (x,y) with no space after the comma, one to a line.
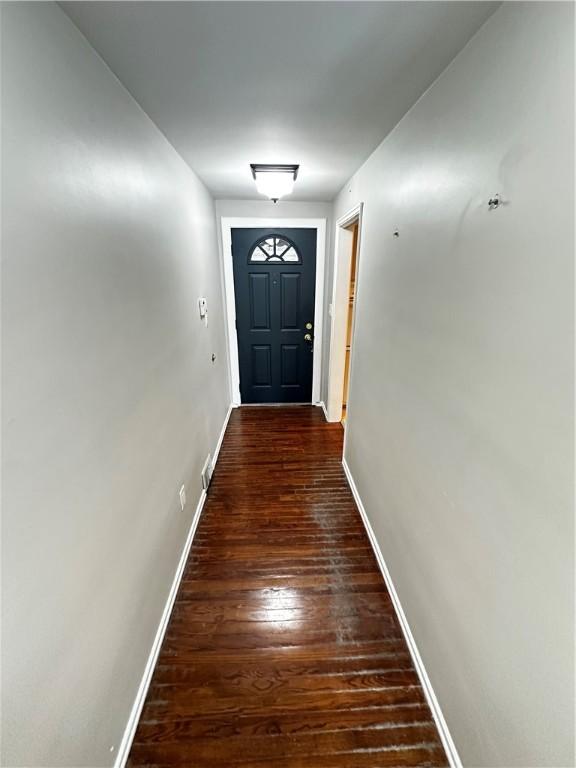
(322,404)
(130,730)
(447,741)
(127,738)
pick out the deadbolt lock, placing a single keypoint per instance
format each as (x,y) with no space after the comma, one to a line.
(308,326)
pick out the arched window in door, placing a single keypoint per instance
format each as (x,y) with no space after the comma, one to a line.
(274,248)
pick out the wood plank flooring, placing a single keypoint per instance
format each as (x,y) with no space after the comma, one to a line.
(283,648)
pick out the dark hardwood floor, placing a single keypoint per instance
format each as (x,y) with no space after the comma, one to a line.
(283,648)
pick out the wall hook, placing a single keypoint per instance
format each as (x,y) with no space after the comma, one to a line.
(494,202)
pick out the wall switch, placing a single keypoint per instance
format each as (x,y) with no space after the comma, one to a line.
(182,497)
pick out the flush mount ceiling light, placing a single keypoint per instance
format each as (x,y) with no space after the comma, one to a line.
(274,181)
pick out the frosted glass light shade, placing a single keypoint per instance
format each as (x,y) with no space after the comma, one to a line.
(273,184)
(274,181)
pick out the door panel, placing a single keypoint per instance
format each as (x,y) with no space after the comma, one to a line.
(261,365)
(259,302)
(274,283)
(290,301)
(290,365)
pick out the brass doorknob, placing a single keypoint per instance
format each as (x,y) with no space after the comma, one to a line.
(307,337)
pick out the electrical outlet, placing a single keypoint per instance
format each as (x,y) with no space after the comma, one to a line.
(182,497)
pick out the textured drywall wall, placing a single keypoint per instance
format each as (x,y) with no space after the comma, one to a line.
(110,398)
(460,420)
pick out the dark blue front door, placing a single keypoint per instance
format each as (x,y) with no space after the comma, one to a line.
(274,283)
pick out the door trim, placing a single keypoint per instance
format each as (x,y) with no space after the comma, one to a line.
(339,311)
(227,225)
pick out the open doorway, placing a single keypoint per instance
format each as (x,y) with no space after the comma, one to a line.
(350,319)
(346,257)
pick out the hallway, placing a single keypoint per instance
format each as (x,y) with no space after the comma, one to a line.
(283,648)
(333,209)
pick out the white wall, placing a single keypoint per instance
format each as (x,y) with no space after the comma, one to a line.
(253,209)
(111,400)
(461,404)
(287,209)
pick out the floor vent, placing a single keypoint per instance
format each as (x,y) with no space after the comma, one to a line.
(207,473)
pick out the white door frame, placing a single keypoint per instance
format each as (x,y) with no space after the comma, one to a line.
(339,308)
(230,223)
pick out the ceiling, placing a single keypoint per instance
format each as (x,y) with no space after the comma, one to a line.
(315,83)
